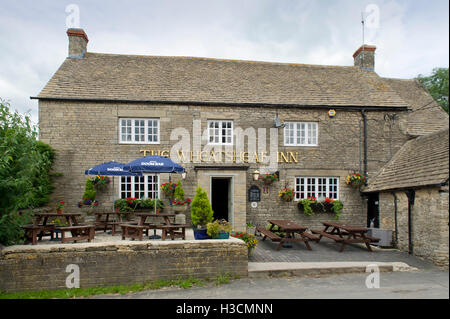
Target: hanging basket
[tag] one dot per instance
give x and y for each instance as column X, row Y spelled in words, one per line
column 179, row 208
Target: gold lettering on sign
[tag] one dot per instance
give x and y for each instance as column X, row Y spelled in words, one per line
column 227, row 156
column 181, row 156
column 294, row 158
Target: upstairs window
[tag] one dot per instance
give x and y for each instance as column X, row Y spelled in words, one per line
column 139, row 131
column 220, row 132
column 300, row 134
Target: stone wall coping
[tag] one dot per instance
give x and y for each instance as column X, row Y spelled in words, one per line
column 123, row 245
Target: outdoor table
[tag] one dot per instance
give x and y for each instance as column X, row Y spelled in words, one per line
column 143, row 218
column 70, row 218
column 107, row 222
column 290, row 228
column 38, row 228
column 346, row 234
column 168, row 228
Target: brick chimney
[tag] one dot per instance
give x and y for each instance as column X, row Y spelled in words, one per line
column 77, row 43
column 364, row 57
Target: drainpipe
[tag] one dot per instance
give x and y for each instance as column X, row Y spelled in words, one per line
column 365, row 141
column 411, row 194
column 395, row 219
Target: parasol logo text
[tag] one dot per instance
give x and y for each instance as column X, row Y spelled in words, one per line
column 151, row 164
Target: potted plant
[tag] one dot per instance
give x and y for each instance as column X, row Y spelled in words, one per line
column 269, row 178
column 60, row 207
column 335, row 206
column 58, row 223
column 89, row 192
column 305, row 205
column 249, row 239
column 251, row 229
column 101, row 182
column 310, row 206
column 179, row 204
column 286, row 194
column 355, row 180
column 201, row 213
column 219, row 229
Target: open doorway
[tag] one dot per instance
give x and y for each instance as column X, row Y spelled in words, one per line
column 221, row 197
column 373, row 210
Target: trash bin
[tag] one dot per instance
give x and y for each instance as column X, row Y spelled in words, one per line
column 385, row 236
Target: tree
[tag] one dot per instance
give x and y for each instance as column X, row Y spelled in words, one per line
column 437, row 85
column 25, row 165
column 201, row 210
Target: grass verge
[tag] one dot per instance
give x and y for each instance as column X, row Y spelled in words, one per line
column 86, row 292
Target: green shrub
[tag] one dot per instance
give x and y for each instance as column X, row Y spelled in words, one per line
column 201, row 211
column 214, row 228
column 25, row 179
column 179, row 192
column 89, row 191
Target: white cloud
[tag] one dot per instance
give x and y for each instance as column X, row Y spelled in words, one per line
column 412, row 37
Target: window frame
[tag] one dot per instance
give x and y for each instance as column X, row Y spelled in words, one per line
column 220, row 132
column 296, row 133
column 328, row 192
column 146, row 127
column 133, row 184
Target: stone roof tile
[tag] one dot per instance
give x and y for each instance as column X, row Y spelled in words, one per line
column 156, row 78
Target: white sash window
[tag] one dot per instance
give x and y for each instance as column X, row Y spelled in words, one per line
column 300, row 134
column 318, row 187
column 139, row 131
column 220, row 132
column 139, row 187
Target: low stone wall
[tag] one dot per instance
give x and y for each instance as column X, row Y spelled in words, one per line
column 122, row 263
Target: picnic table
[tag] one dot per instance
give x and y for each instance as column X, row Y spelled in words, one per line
column 345, row 234
column 136, row 231
column 107, row 222
column 78, row 231
column 290, row 228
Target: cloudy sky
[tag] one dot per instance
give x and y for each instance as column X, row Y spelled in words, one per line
column 412, row 37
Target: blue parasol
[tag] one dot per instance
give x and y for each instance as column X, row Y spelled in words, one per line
column 110, row 169
column 154, row 164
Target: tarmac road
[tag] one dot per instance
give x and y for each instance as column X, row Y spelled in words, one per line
column 422, row 284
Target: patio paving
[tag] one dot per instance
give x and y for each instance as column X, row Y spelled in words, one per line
column 328, row 251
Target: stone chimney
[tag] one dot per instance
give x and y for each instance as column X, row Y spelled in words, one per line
column 77, row 43
column 364, row 57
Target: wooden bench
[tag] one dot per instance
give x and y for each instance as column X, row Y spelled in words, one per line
column 133, row 231
column 325, row 234
column 311, row 236
column 373, row 239
column 268, row 233
column 174, row 230
column 32, row 232
column 79, row 232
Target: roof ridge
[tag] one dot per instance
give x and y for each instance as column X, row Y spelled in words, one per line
column 224, row 60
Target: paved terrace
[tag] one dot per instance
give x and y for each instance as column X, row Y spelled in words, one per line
column 325, row 251
column 328, row 251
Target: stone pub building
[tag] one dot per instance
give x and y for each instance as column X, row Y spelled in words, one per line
column 226, row 121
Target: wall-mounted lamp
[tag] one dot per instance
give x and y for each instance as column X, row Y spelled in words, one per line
column 255, row 175
column 183, row 175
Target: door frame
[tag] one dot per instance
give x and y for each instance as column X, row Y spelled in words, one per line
column 230, row 193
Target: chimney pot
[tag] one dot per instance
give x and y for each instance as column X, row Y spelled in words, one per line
column 364, row 57
column 77, row 43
